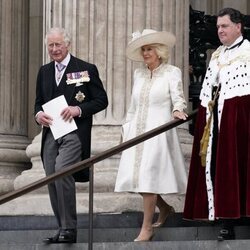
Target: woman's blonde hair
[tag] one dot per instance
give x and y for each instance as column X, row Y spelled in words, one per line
column 162, row 51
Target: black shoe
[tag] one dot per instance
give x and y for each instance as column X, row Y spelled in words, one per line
column 226, row 234
column 67, row 236
column 53, row 239
column 62, row 236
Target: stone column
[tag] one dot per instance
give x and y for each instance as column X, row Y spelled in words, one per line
column 13, row 91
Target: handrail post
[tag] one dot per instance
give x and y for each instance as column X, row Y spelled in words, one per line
column 91, row 194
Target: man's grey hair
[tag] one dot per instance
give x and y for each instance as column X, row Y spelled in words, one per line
column 57, row 30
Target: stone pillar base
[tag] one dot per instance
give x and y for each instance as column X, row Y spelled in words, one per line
column 39, row 205
column 13, row 160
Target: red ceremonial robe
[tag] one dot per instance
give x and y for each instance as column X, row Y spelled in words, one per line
column 231, row 186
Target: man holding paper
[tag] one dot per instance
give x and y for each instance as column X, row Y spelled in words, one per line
column 68, row 93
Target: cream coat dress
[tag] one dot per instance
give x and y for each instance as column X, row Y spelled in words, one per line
column 156, row 165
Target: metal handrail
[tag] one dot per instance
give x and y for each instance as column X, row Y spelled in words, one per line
column 88, row 163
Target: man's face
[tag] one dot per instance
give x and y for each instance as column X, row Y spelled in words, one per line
column 56, row 46
column 228, row 31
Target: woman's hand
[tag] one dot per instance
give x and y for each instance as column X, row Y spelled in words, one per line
column 180, row 115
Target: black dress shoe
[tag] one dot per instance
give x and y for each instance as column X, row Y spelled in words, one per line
column 226, row 234
column 67, row 236
column 53, row 239
column 62, row 236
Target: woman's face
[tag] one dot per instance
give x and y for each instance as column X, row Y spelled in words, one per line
column 150, row 56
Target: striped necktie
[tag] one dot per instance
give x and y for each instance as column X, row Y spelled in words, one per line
column 60, row 67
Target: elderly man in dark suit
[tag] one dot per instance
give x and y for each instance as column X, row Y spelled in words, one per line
column 82, row 88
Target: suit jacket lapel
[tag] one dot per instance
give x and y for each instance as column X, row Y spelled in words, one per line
column 50, row 81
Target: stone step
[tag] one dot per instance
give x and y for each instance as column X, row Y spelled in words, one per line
column 117, row 231
column 101, row 220
column 153, row 245
column 125, row 234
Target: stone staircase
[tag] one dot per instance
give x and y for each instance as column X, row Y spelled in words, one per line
column 116, row 231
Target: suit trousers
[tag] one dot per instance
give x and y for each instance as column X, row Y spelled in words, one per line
column 57, row 155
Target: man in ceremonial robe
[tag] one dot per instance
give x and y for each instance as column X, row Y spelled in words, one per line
column 219, row 188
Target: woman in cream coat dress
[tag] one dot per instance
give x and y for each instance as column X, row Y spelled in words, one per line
column 155, row 166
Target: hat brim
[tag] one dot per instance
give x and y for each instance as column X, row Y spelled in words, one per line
column 134, row 48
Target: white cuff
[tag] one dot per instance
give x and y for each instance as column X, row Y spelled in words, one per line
column 80, row 111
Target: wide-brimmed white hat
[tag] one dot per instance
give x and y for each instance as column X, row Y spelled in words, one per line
column 148, row 36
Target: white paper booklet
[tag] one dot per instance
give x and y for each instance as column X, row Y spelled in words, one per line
column 54, row 108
